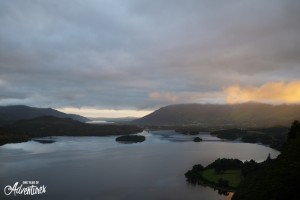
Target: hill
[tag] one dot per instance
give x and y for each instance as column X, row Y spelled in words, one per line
column 272, row 179
column 214, row 115
column 10, row 114
column 277, row 179
column 53, row 126
column 23, row 130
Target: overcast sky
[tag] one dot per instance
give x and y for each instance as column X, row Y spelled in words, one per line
column 141, row 55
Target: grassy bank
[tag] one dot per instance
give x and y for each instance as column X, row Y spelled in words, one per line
column 232, row 176
column 224, row 174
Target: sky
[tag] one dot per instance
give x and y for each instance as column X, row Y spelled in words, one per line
column 129, row 57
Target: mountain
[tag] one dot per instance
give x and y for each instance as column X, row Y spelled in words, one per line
column 53, row 126
column 9, row 114
column 231, row 115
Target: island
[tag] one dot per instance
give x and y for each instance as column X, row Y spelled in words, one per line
column 130, row 138
column 197, row 139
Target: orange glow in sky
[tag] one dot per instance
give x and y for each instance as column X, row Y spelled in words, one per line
column 271, row 92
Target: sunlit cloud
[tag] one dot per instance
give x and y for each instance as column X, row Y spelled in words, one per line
column 110, row 57
column 271, row 92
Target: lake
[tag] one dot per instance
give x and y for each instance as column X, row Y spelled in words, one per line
column 100, row 168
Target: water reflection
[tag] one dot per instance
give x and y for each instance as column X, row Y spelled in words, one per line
column 101, row 168
column 44, row 141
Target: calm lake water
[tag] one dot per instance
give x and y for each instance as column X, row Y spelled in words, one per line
column 100, row 168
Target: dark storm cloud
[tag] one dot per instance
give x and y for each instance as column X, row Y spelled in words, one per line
column 142, row 54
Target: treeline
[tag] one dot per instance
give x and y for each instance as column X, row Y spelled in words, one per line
column 220, row 166
column 191, row 130
column 276, row 179
column 52, row 126
column 224, row 164
column 274, row 136
column 12, row 138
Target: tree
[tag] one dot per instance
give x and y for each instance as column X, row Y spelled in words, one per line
column 218, row 169
column 197, row 139
column 295, row 129
column 223, row 182
column 268, row 158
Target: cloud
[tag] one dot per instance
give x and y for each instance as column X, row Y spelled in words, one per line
column 271, row 92
column 113, row 54
column 157, row 99
column 163, row 96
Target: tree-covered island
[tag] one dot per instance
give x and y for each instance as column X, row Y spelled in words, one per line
column 131, row 138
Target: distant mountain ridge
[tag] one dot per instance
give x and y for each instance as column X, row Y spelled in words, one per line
column 54, row 126
column 20, row 112
column 26, row 129
column 241, row 115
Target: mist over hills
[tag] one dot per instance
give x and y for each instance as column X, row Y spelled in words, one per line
column 10, row 114
column 231, row 115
